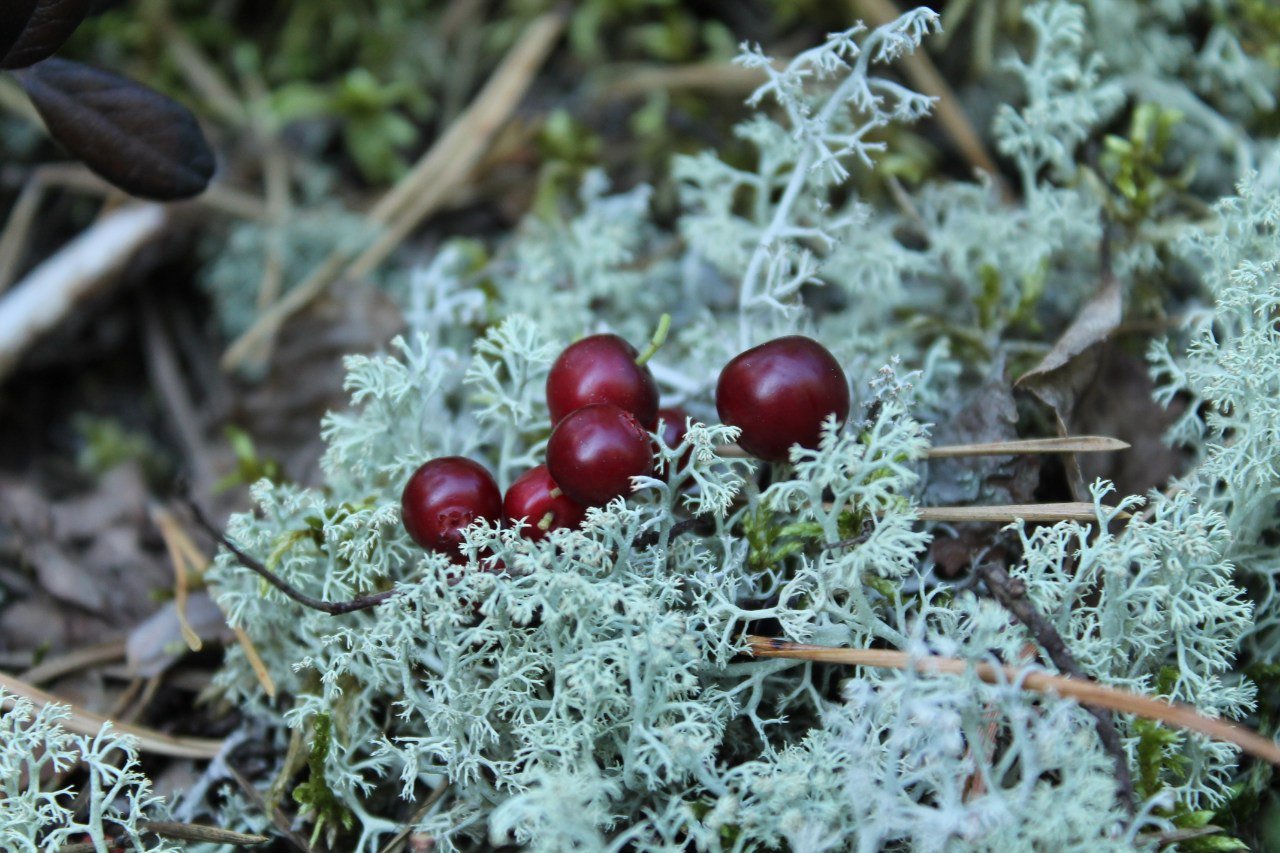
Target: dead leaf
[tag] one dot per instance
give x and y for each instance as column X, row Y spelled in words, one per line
column 988, row 414
column 1120, row 403
column 1072, row 366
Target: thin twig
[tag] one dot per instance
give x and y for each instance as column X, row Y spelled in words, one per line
column 1085, row 691
column 1070, row 444
column 719, row 78
column 1081, row 511
column 200, row 832
column 255, row 662
column 278, row 818
column 13, row 240
column 166, row 524
column 335, row 608
column 1012, row 594
column 165, row 374
column 699, row 523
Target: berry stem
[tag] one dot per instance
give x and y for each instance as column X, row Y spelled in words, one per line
column 555, row 493
column 658, row 339
column 544, row 523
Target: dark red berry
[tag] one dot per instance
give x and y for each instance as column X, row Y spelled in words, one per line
column 594, row 452
column 779, row 393
column 543, row 505
column 602, row 369
column 674, row 422
column 444, row 496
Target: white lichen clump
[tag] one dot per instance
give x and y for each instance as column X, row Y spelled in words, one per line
column 589, row 691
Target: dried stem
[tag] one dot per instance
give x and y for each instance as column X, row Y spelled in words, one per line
column 1081, row 511
column 400, row 837
column 1084, row 691
column 1012, row 594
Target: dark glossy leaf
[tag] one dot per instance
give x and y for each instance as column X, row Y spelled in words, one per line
column 14, row 15
column 47, row 28
column 136, row 138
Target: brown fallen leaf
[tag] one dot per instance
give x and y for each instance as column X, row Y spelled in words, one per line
column 1071, row 366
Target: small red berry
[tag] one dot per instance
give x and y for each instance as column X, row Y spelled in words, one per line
column 601, row 369
column 594, row 452
column 443, row 497
column 674, row 422
column 543, row 505
column 779, row 393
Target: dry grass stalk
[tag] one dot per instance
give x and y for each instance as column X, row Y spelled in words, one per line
column 181, row 561
column 445, row 167
column 54, row 668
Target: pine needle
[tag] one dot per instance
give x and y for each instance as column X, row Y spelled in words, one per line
column 1083, row 691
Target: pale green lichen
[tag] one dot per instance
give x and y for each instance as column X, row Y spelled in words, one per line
column 588, row 691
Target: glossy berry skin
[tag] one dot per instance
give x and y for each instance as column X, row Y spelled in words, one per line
column 444, row 496
column 779, row 393
column 601, row 369
column 675, row 426
column 529, row 498
column 594, row 452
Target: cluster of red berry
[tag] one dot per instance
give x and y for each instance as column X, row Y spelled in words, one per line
column 604, row 409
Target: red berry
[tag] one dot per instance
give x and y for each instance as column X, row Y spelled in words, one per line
column 601, row 369
column 675, row 426
column 530, row 498
column 779, row 393
column 444, row 496
column 594, row 452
